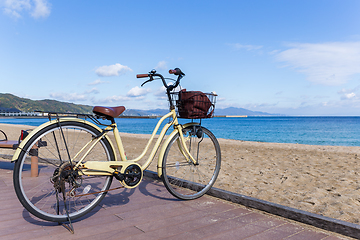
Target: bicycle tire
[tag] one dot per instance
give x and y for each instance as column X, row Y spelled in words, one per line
column 181, row 177
column 38, row 194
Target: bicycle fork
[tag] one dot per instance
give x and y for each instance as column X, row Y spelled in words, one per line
column 197, row 131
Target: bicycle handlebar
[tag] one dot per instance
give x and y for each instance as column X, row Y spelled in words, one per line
column 170, row 87
column 153, row 74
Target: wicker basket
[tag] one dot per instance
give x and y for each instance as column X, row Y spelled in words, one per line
column 194, row 104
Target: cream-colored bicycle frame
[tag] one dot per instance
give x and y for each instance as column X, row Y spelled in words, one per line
column 108, row 167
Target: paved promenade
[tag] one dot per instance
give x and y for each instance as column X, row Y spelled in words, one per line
column 150, row 212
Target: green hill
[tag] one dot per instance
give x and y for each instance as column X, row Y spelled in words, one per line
column 27, row 105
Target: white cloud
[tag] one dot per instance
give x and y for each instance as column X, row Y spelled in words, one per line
column 41, row 9
column 239, row 46
column 349, row 94
column 14, row 7
column 112, row 70
column 137, row 92
column 36, row 8
column 324, row 63
column 12, row 13
column 160, row 92
column 68, row 97
column 74, row 97
column 92, row 91
column 161, row 66
column 113, row 99
column 97, row 82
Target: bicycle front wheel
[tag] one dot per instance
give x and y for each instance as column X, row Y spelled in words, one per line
column 182, row 177
column 45, row 196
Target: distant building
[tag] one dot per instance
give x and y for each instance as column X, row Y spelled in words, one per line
column 10, row 112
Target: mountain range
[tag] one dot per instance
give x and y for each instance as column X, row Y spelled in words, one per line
column 10, row 101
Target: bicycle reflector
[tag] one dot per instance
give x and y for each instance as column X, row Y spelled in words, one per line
column 23, row 134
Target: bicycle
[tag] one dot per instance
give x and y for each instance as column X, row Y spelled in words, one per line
column 77, row 162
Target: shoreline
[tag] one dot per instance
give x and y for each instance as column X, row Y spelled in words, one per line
column 27, row 127
column 319, row 179
column 337, row 144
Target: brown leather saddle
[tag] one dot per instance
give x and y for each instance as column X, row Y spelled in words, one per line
column 108, row 112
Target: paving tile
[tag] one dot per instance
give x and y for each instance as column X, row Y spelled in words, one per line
column 269, row 222
column 308, row 235
column 150, row 210
column 233, row 213
column 250, row 218
column 21, row 226
column 164, row 223
column 141, row 236
column 238, row 233
column 6, row 204
column 270, row 235
column 164, row 216
column 88, row 231
column 335, row 238
column 290, row 228
column 114, row 234
column 43, row 232
column 209, row 230
column 182, row 227
column 210, row 205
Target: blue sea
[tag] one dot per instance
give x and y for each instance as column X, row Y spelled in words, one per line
column 335, row 131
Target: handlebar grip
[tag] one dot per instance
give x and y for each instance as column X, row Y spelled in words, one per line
column 142, row 75
column 176, row 71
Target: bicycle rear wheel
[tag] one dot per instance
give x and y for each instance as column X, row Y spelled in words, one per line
column 54, row 147
column 184, row 179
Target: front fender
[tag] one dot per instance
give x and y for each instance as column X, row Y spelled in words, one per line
column 165, row 144
column 44, row 125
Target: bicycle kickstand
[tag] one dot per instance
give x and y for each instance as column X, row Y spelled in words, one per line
column 70, row 226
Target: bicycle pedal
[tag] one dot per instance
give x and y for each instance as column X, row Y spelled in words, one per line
column 118, row 176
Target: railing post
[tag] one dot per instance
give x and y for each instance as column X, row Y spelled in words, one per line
column 34, row 152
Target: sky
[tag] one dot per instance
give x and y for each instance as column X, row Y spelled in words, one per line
column 293, row 57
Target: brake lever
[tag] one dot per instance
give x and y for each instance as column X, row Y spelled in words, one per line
column 146, row 82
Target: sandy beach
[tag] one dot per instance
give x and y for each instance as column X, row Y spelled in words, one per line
column 318, row 179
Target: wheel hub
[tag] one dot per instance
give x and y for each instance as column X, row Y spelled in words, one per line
column 66, row 174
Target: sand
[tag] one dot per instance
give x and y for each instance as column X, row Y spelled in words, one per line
column 318, row 179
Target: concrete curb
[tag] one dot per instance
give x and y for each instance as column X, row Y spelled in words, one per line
column 326, row 223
